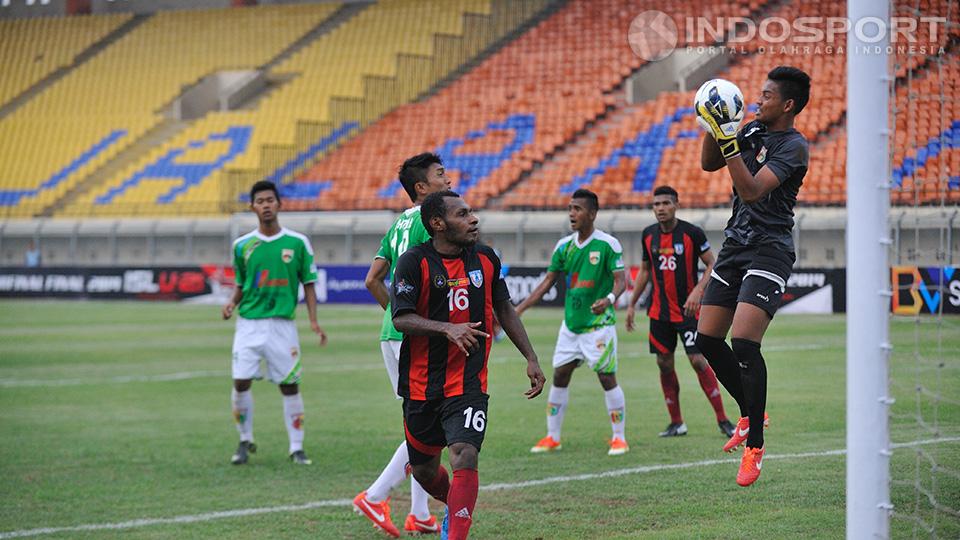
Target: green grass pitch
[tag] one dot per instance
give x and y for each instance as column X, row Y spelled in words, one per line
column 119, row 413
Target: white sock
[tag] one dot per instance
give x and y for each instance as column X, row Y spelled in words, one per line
column 419, row 500
column 556, row 407
column 293, row 417
column 243, row 413
column 393, row 474
column 616, row 407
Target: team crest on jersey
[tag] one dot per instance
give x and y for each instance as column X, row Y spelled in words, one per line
column 439, row 281
column 594, row 257
column 286, row 255
column 678, row 249
column 476, row 277
column 762, row 154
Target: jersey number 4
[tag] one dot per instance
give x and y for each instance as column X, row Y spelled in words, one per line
column 459, row 299
column 668, row 263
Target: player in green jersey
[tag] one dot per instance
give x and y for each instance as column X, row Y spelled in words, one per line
column 270, row 264
column 593, row 263
column 420, row 176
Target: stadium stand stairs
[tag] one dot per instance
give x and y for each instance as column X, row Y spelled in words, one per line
column 341, row 16
column 60, row 73
column 552, row 7
column 170, row 127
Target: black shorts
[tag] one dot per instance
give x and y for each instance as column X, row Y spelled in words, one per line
column 754, row 275
column 434, row 424
column 663, row 336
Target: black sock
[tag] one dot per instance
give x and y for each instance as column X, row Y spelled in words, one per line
column 724, row 364
column 753, row 374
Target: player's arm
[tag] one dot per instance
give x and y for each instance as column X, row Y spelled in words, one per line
column 463, row 335
column 619, row 285
column 639, row 285
column 538, row 292
column 239, row 273
column 310, row 296
column 235, row 299
column 710, row 157
column 751, row 188
column 692, row 304
column 374, row 281
column 511, row 324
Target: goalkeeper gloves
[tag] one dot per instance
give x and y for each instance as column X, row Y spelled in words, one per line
column 717, row 122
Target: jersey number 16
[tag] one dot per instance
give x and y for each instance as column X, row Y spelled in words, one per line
column 459, row 299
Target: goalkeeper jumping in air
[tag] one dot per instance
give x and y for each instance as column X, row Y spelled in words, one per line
column 767, row 160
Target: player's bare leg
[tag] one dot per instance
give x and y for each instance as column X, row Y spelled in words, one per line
column 616, row 409
column 242, row 401
column 557, row 400
column 670, row 386
column 293, row 419
column 708, row 382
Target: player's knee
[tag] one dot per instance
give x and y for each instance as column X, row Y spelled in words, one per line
column 708, row 344
column 698, row 362
column 607, row 380
column 745, row 349
column 463, row 456
column 242, row 385
column 424, row 473
column 561, row 377
column 289, row 389
column 665, row 362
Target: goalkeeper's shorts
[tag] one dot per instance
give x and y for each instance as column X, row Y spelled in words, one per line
column 754, row 275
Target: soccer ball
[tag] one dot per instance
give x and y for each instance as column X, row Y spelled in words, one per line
column 726, row 98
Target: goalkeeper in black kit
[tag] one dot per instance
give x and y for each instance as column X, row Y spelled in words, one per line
column 767, row 160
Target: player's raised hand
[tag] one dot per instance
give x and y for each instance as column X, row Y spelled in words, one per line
column 315, row 327
column 227, row 310
column 631, row 315
column 464, row 335
column 537, row 380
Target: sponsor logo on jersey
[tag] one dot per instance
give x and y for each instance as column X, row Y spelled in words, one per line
column 262, row 280
column 458, row 282
column 439, row 281
column 678, row 249
column 594, row 257
column 577, row 283
column 762, row 154
column 286, row 255
column 403, row 287
column 476, row 277
column 665, row 251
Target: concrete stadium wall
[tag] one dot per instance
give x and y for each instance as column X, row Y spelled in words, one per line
column 925, row 236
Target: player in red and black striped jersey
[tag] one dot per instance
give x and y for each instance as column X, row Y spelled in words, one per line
column 672, row 249
column 444, row 296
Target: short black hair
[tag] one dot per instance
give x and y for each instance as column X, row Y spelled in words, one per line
column 434, row 206
column 588, row 195
column 793, row 83
column 414, row 170
column 667, row 190
column 264, row 185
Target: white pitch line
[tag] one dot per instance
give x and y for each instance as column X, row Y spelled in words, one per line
column 187, row 375
column 210, row 516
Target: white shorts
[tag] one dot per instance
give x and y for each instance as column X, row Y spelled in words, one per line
column 391, row 359
column 274, row 340
column 597, row 348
